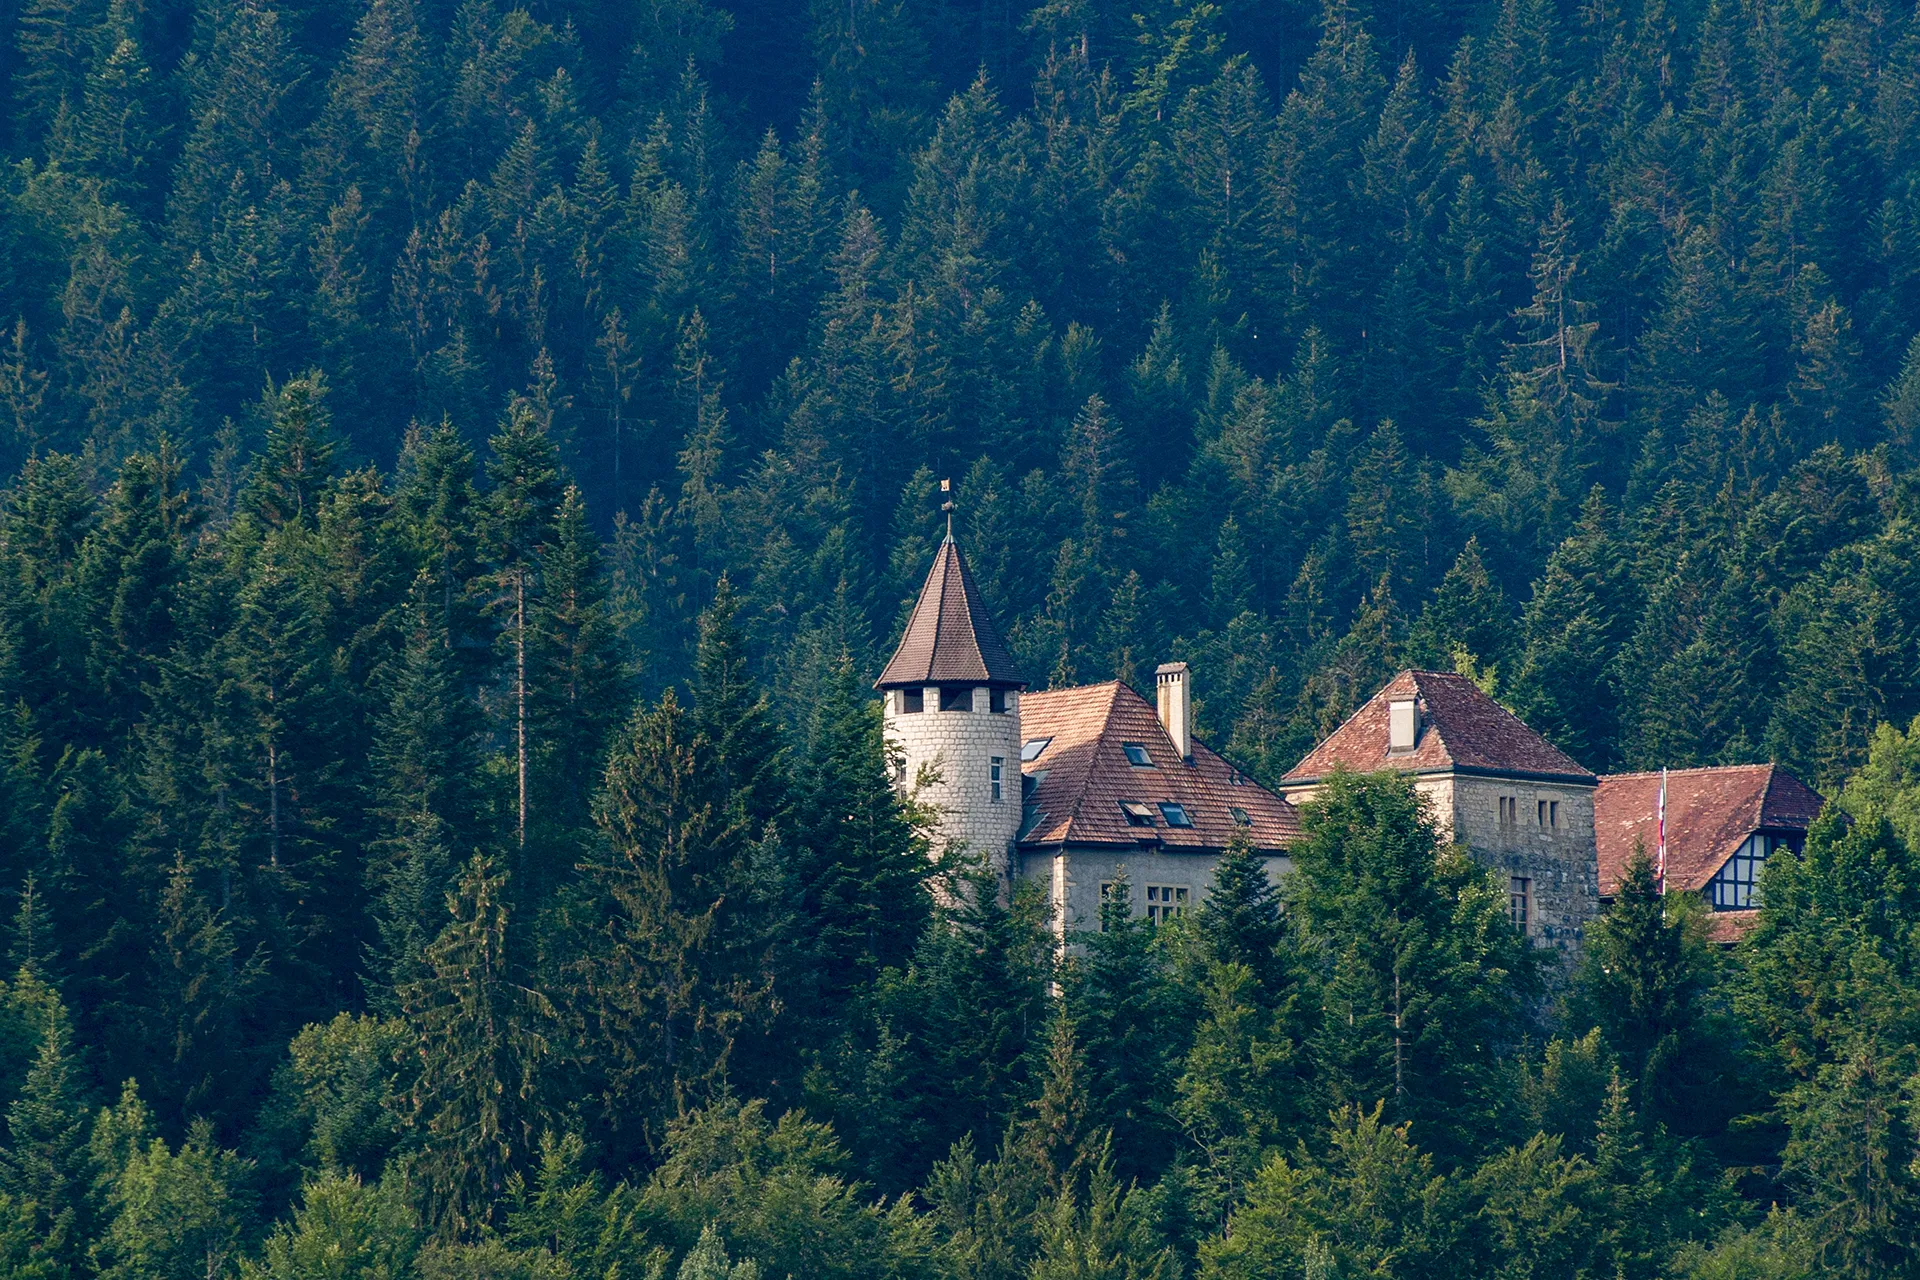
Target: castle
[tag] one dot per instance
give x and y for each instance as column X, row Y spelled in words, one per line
column 1081, row 789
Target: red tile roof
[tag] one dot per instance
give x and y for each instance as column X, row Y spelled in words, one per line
column 1461, row 728
column 1709, row 812
column 1083, row 774
column 950, row 639
column 1728, row 927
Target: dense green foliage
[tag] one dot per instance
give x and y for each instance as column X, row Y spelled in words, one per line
column 468, row 459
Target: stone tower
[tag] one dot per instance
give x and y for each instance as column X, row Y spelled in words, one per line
column 953, row 703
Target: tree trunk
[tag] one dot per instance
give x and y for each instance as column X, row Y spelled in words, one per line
column 520, row 695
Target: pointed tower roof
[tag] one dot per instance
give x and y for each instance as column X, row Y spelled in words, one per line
column 950, row 638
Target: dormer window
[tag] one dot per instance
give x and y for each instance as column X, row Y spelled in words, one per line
column 1176, row 815
column 1138, row 815
column 1031, row 749
column 1137, row 755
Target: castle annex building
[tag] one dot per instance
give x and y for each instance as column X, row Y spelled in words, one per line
column 1076, row 788
column 1722, row 826
column 1519, row 804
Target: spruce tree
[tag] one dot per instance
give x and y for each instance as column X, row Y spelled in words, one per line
column 1420, row 976
column 480, row 1041
column 672, row 974
column 424, row 761
column 45, row 1164
column 1645, row 980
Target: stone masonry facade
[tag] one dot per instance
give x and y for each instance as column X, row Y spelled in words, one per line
column 962, row 747
column 1073, row 877
column 1551, row 849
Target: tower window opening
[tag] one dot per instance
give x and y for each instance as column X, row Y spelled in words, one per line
column 997, row 701
column 1519, row 901
column 912, row 701
column 994, row 766
column 956, row 699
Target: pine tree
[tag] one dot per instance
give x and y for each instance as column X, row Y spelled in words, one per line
column 300, row 454
column 423, row 766
column 1644, row 980
column 45, row 1163
column 1402, row 929
column 578, row 683
column 859, row 860
column 525, row 480
column 480, row 1043
column 1467, row 622
column 672, row 977
column 1114, row 993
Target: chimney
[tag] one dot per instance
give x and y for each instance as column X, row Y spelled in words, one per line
column 1176, row 705
column 1403, row 725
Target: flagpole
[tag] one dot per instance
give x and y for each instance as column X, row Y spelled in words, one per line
column 1663, row 831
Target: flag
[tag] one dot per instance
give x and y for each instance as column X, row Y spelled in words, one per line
column 1662, row 811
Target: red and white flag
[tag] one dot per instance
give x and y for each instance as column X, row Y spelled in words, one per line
column 1662, row 811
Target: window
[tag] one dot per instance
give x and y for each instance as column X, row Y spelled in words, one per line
column 1241, row 817
column 1509, row 811
column 1175, row 815
column 1106, row 895
column 997, row 701
column 994, row 766
column 1737, row 886
column 1519, row 901
column 1548, row 813
column 1165, row 901
column 956, row 699
column 912, row 701
column 1138, row 815
column 1137, row 755
column 1031, row 749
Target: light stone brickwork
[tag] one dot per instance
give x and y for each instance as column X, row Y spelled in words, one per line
column 1072, row 878
column 1558, row 859
column 961, row 747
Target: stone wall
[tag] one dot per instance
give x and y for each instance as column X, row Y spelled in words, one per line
column 1560, row 862
column 1072, row 878
column 961, row 745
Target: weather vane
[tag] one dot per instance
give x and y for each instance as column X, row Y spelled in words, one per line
column 946, row 493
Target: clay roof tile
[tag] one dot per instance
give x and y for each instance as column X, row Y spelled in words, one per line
column 1709, row 813
column 950, row 639
column 1077, row 781
column 1462, row 728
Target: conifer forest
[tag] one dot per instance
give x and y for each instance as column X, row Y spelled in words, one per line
column 467, row 461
